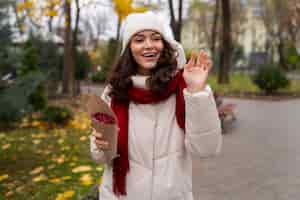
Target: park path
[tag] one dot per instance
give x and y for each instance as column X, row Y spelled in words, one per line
column 260, row 158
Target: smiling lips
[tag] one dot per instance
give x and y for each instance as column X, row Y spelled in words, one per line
column 150, row 56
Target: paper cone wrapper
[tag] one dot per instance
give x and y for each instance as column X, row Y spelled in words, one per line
column 109, row 131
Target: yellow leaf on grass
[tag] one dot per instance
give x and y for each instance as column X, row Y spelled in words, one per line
column 61, row 140
column 39, row 135
column 86, row 180
column 65, row 178
column 36, row 123
column 65, row 195
column 36, row 170
column 83, row 138
column 100, row 169
column 60, row 159
column 51, row 166
column 20, row 189
column 6, row 146
column 46, row 152
column 74, row 158
column 65, row 148
column 82, row 168
column 3, row 177
column 37, row 141
column 39, row 178
column 55, row 180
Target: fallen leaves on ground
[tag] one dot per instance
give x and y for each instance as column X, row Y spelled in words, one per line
column 3, row 177
column 65, row 195
column 83, row 168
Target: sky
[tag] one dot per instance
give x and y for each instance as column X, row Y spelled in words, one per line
column 90, row 8
column 104, row 6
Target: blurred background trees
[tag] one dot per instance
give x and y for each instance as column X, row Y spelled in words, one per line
column 71, row 42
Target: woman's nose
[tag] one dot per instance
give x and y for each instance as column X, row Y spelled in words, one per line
column 148, row 43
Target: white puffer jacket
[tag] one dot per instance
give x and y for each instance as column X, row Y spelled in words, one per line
column 159, row 152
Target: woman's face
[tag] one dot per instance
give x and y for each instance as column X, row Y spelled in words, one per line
column 146, row 47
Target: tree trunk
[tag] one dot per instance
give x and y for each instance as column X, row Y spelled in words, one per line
column 75, row 43
column 50, row 24
column 179, row 22
column 69, row 65
column 18, row 22
column 282, row 64
column 118, row 29
column 225, row 59
column 214, row 28
column 176, row 24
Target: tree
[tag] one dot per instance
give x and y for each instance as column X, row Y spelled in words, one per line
column 282, row 21
column 176, row 24
column 123, row 8
column 33, row 11
column 69, row 64
column 200, row 15
column 95, row 25
column 293, row 24
column 5, row 39
column 203, row 13
column 215, row 27
column 226, row 48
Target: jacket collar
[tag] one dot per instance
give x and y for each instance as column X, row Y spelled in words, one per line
column 139, row 81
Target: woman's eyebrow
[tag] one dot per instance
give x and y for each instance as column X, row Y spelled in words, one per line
column 139, row 35
column 156, row 34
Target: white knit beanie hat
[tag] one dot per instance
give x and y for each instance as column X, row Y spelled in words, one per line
column 138, row 22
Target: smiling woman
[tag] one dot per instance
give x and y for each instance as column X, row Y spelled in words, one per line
column 146, row 48
column 165, row 113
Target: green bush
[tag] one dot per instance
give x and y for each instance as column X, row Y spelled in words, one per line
column 83, row 65
column 39, row 99
column 14, row 100
column 30, row 63
column 56, row 115
column 293, row 57
column 270, row 78
column 99, row 76
column 5, row 40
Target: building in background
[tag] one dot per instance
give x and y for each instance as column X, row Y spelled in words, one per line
column 251, row 34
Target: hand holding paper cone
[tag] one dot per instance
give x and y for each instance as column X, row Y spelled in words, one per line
column 105, row 124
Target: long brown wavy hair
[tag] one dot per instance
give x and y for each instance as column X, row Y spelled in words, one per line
column 120, row 75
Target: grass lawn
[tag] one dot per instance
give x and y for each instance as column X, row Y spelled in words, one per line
column 241, row 83
column 42, row 164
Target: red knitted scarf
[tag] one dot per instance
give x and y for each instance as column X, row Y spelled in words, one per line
column 142, row 96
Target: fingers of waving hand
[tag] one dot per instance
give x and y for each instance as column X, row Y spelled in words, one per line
column 205, row 60
column 199, row 61
column 189, row 66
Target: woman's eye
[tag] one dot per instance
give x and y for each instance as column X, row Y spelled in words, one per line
column 157, row 39
column 138, row 40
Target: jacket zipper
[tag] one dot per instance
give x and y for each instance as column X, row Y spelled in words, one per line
column 153, row 158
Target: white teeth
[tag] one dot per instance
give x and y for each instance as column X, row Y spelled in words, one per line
column 149, row 54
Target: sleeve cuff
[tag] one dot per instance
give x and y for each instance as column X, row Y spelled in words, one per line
column 206, row 92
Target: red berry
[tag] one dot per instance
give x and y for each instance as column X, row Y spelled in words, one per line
column 103, row 118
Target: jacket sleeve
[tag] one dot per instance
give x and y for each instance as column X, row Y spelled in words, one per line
column 96, row 154
column 203, row 127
